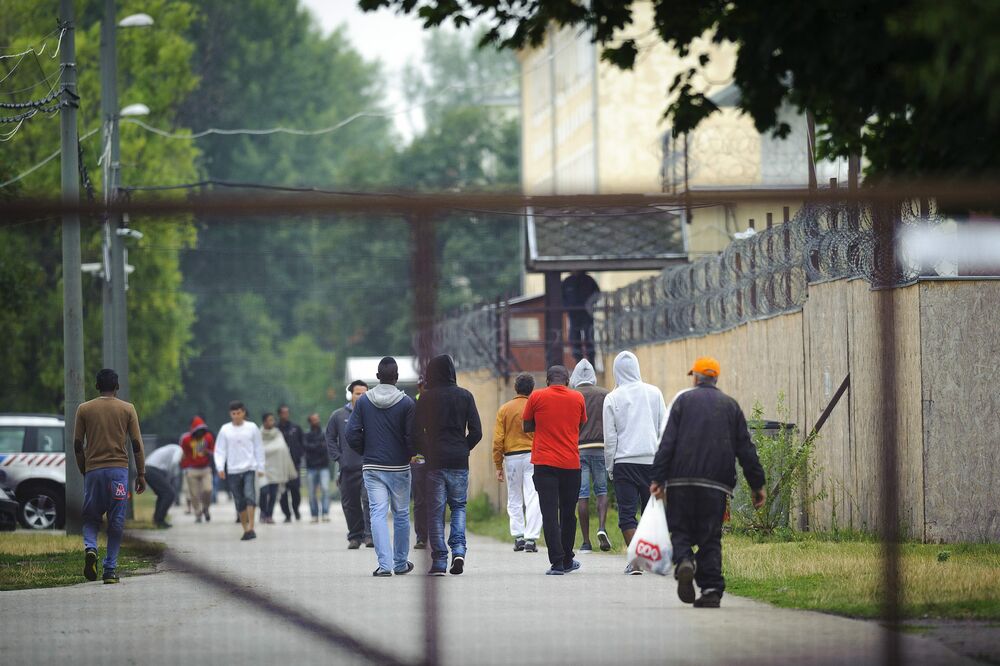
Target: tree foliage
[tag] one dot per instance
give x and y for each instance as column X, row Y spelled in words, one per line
column 910, row 83
column 153, row 69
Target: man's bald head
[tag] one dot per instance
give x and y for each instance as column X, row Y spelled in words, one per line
column 557, row 374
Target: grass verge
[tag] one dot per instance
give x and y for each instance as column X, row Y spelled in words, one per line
column 31, row 560
column 816, row 572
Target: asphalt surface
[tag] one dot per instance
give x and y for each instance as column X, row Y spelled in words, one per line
column 296, row 595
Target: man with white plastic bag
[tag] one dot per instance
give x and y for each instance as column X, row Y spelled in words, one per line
column 695, row 467
column 650, row 548
column 634, row 419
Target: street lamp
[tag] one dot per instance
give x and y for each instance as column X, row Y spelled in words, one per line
column 115, row 343
column 136, row 21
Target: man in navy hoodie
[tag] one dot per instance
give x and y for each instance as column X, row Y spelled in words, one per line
column 448, row 427
column 380, row 429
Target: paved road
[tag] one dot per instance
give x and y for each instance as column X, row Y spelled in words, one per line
column 501, row 611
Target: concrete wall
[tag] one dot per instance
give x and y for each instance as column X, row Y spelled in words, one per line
column 946, row 343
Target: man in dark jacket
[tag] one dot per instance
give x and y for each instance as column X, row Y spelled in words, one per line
column 292, row 495
column 353, row 496
column 448, row 428
column 577, row 290
column 706, row 433
column 381, row 430
column 317, row 471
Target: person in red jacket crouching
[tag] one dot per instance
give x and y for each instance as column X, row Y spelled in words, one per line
column 198, row 446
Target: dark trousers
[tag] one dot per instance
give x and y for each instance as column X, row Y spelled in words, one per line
column 164, row 490
column 694, row 516
column 418, row 489
column 558, row 490
column 354, row 500
column 632, row 490
column 291, row 498
column 268, row 493
column 581, row 335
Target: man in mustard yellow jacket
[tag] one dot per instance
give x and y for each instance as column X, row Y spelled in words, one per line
column 512, row 456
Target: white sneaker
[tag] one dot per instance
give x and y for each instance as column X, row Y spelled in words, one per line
column 631, row 570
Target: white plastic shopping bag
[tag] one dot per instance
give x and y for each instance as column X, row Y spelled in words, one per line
column 650, row 549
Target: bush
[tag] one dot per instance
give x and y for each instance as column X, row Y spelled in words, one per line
column 789, row 467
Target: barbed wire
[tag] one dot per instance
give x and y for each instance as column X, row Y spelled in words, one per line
column 762, row 276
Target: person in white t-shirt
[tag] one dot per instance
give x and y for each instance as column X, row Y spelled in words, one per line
column 239, row 457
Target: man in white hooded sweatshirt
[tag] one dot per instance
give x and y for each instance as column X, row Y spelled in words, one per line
column 635, row 416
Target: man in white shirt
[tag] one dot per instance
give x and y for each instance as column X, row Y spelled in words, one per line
column 239, row 457
column 163, row 469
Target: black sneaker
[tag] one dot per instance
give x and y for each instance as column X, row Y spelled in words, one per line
column 405, row 570
column 163, row 525
column 553, row 571
column 382, row 573
column 709, row 599
column 457, row 565
column 369, row 543
column 353, row 544
column 90, row 564
column 572, row 566
column 518, row 545
column 420, row 545
column 253, row 534
column 208, row 516
column 685, row 585
column 110, row 577
column 603, row 540
column 246, row 537
column 585, row 548
column 288, row 519
column 530, row 547
column 437, row 572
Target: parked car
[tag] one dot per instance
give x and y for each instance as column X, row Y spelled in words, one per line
column 8, row 511
column 33, row 468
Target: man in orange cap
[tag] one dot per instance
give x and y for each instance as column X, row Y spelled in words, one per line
column 696, row 467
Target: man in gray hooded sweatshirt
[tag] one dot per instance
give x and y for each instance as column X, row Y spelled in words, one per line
column 635, row 416
column 592, row 469
column 381, row 430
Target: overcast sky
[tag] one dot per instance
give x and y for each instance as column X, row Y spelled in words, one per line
column 383, row 35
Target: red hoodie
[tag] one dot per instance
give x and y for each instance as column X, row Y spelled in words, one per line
column 197, row 453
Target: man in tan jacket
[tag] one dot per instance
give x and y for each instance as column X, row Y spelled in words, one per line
column 103, row 427
column 512, row 457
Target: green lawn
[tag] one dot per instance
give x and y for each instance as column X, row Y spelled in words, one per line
column 836, row 573
column 51, row 559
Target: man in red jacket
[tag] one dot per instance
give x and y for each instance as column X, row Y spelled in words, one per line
column 555, row 415
column 198, row 447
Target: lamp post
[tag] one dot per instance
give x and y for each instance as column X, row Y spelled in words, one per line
column 115, row 325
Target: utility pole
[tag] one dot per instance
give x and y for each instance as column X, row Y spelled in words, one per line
column 115, row 323
column 109, row 102
column 72, row 275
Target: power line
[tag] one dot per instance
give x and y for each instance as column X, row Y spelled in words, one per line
column 45, row 161
column 316, row 132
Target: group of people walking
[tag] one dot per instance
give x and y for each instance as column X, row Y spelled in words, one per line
column 552, row 447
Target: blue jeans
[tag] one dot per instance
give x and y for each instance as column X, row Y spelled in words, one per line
column 446, row 486
column 318, row 478
column 389, row 490
column 105, row 491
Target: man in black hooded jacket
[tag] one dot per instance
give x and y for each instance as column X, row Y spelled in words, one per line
column 447, row 429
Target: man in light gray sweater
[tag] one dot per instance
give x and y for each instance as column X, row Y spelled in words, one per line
column 635, row 416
